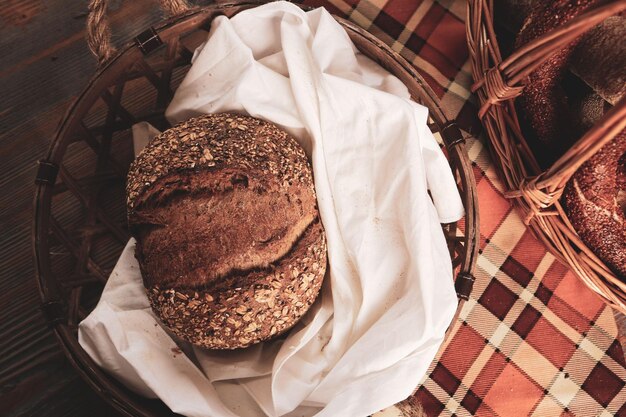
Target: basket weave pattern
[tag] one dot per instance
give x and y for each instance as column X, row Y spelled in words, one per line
column 537, row 193
column 80, row 223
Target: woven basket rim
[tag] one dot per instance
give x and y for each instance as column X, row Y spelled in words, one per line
column 56, row 307
column 536, row 192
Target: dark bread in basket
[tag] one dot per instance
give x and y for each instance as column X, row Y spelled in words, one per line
column 229, row 241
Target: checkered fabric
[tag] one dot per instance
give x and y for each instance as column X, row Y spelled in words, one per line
column 532, row 340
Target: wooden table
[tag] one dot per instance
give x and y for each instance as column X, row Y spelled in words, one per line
column 45, row 63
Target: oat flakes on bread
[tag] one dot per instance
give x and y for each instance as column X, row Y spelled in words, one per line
column 229, row 241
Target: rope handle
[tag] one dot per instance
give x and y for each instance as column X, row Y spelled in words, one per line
column 99, row 31
column 504, row 80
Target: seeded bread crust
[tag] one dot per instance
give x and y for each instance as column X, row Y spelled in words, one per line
column 595, row 204
column 215, row 141
column 269, row 304
column 229, row 241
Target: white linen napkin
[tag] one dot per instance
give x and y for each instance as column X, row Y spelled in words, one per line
column 388, row 297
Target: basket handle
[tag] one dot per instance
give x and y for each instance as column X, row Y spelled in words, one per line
column 504, row 81
column 545, row 189
column 99, row 31
column 605, row 130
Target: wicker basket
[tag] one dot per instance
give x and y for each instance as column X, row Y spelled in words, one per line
column 80, row 223
column 536, row 193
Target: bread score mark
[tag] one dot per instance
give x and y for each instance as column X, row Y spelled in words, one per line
column 240, row 222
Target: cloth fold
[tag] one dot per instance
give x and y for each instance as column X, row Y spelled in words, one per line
column 388, row 297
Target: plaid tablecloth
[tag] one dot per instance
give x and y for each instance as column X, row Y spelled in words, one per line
column 532, row 340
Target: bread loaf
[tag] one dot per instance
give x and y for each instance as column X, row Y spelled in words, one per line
column 543, row 105
column 594, row 202
column 599, row 59
column 229, row 240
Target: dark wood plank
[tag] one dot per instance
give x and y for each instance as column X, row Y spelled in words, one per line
column 45, row 64
column 60, row 392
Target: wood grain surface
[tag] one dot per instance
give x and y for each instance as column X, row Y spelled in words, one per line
column 45, row 63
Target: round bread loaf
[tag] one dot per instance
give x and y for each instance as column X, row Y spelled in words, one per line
column 543, row 102
column 595, row 203
column 229, row 241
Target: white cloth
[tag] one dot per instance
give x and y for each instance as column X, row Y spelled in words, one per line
column 388, row 297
